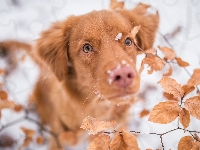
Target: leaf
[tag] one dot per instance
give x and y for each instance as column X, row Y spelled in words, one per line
column 196, row 146
column 181, row 63
column 94, row 126
column 195, row 79
column 29, row 136
column 40, row 140
column 18, row 108
column 116, row 143
column 100, row 143
column 185, row 143
column 184, row 118
column 165, row 112
column 187, row 89
column 154, row 62
column 169, row 53
column 193, row 106
column 144, row 113
column 134, row 31
column 169, row 96
column 3, row 95
column 172, row 87
column 114, row 4
column 6, row 104
column 130, row 141
column 169, row 73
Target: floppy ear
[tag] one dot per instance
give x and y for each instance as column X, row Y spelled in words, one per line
column 52, row 47
column 149, row 24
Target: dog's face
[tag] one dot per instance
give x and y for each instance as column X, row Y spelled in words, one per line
column 84, row 53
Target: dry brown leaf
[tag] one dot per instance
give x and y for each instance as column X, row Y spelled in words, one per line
column 18, row 108
column 170, row 96
column 197, row 137
column 185, row 143
column 144, row 113
column 196, row 146
column 94, row 126
column 154, row 62
column 181, row 63
column 116, row 143
column 184, row 118
column 193, row 106
column 2, row 71
column 3, row 95
column 100, row 143
column 172, row 87
column 114, row 4
column 40, row 140
column 6, row 104
column 29, row 136
column 130, row 141
column 195, row 79
column 165, row 112
column 187, row 89
column 169, row 73
column 169, row 53
column 134, row 31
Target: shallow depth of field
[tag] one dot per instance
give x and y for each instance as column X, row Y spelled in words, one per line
column 179, row 29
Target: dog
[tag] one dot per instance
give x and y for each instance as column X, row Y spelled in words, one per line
column 86, row 71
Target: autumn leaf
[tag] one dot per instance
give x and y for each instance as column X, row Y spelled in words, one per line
column 165, row 112
column 29, row 136
column 100, row 143
column 114, row 4
column 134, row 31
column 193, row 106
column 184, row 118
column 154, row 62
column 40, row 140
column 144, row 113
column 3, row 95
column 195, row 79
column 181, row 63
column 6, row 104
column 172, row 87
column 169, row 73
column 196, row 145
column 187, row 89
column 130, row 141
column 169, row 53
column 94, row 126
column 116, row 143
column 169, row 96
column 185, row 143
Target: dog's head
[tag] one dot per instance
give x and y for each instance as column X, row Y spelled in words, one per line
column 83, row 53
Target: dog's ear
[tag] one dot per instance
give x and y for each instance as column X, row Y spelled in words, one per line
column 148, row 22
column 52, row 47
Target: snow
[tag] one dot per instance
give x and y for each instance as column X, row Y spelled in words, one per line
column 118, row 37
column 26, row 19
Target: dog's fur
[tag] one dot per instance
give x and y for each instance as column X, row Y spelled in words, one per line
column 74, row 84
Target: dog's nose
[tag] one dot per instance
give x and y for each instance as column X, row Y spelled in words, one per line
column 121, row 76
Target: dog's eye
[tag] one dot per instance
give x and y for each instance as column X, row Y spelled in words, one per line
column 128, row 42
column 87, row 48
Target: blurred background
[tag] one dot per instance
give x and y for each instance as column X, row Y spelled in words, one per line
column 24, row 20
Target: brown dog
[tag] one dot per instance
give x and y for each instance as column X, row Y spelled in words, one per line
column 86, row 72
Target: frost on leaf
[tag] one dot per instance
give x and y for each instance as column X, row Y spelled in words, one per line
column 186, row 143
column 118, row 37
column 184, row 118
column 134, row 31
column 181, row 63
column 94, row 126
column 100, row 143
column 154, row 62
column 193, row 106
column 29, row 136
column 169, row 53
column 124, row 141
column 195, row 79
column 169, row 73
column 165, row 112
column 172, row 87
